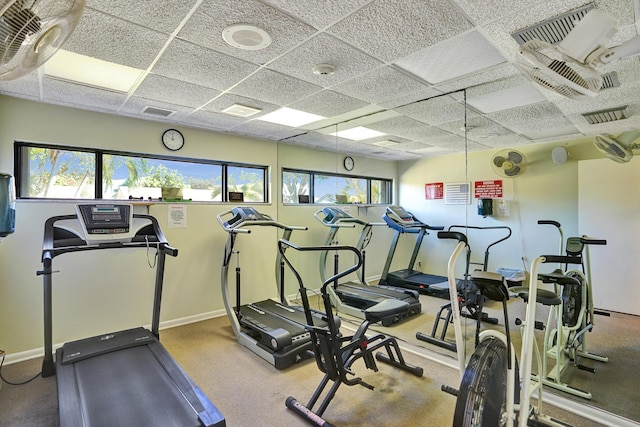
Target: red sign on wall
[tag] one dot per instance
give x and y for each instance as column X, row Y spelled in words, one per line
column 491, row 189
column 434, row 190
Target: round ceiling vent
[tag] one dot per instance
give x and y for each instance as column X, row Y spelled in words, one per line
column 247, row 37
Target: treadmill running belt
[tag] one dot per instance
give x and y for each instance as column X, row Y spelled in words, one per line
column 127, row 387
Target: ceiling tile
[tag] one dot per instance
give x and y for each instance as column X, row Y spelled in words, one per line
column 102, row 36
column 328, row 103
column 175, row 91
column 464, row 54
column 275, row 88
column 378, row 85
column 160, row 16
column 308, row 10
column 511, row 97
column 348, row 61
column 74, row 95
column 392, row 30
column 213, row 16
column 204, row 67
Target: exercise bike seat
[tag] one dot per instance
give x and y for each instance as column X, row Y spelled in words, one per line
column 559, row 278
column 385, row 308
column 491, row 285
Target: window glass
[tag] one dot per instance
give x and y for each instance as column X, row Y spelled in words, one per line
column 56, row 173
column 248, row 181
column 130, row 176
column 294, row 185
column 380, row 191
column 322, row 188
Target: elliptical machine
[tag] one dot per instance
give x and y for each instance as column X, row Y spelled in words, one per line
column 335, row 353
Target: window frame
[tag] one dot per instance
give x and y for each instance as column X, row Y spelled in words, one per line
column 18, row 165
column 312, row 174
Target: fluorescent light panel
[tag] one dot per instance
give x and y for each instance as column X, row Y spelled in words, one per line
column 386, row 143
column 89, row 71
column 290, row 117
column 358, row 133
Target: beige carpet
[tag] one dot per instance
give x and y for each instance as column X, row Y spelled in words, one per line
column 250, row 392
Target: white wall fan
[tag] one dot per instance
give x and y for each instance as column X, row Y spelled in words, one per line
column 509, row 163
column 619, row 148
column 32, row 31
column 568, row 68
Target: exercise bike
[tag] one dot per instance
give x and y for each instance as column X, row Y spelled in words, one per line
column 334, row 352
column 470, row 301
column 490, row 392
column 565, row 341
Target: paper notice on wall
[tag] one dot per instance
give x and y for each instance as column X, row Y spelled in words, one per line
column 177, row 216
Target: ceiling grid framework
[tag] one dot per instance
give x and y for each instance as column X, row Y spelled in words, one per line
column 399, row 69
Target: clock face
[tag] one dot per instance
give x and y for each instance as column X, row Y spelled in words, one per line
column 173, row 139
column 349, row 163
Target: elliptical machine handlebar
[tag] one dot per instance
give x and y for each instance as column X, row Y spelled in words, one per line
column 283, row 244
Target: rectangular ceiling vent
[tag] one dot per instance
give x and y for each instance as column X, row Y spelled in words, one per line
column 610, row 80
column 604, row 116
column 158, row 112
column 552, row 30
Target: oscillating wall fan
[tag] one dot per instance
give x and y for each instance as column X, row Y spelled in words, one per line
column 619, row 148
column 568, row 68
column 31, row 31
column 509, row 163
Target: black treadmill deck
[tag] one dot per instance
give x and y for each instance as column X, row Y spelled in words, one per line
column 138, row 385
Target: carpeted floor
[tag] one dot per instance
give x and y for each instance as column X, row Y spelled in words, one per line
column 250, row 392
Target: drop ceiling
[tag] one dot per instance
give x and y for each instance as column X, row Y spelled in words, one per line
column 403, row 68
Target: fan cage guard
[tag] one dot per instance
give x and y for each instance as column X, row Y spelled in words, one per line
column 509, row 163
column 31, row 32
column 545, row 65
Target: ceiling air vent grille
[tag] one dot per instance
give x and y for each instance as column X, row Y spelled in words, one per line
column 610, row 80
column 159, row 112
column 604, row 116
column 552, row 30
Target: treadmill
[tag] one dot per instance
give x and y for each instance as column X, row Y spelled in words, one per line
column 125, row 377
column 403, row 222
column 273, row 329
column 355, row 297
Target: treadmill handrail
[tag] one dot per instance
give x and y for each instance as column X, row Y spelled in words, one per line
column 237, row 227
column 52, row 247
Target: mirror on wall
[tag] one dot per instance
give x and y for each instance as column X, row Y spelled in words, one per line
column 547, row 190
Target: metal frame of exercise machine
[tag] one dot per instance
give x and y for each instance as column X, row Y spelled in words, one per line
column 470, row 300
column 273, row 329
column 125, row 377
column 353, row 297
column 335, row 353
column 496, row 387
column 403, row 222
column 565, row 339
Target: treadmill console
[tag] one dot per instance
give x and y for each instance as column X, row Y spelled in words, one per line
column 402, row 217
column 245, row 213
column 103, row 223
column 333, row 215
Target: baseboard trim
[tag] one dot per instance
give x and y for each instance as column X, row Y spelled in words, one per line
column 38, row 352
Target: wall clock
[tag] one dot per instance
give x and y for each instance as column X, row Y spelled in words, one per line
column 173, row 139
column 348, row 163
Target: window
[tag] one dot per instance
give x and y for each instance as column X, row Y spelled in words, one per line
column 301, row 186
column 45, row 171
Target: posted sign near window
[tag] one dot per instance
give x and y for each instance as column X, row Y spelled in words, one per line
column 434, row 191
column 491, row 189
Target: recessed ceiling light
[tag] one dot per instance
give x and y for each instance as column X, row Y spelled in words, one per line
column 290, row 117
column 246, row 37
column 89, row 71
column 358, row 133
column 241, row 110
